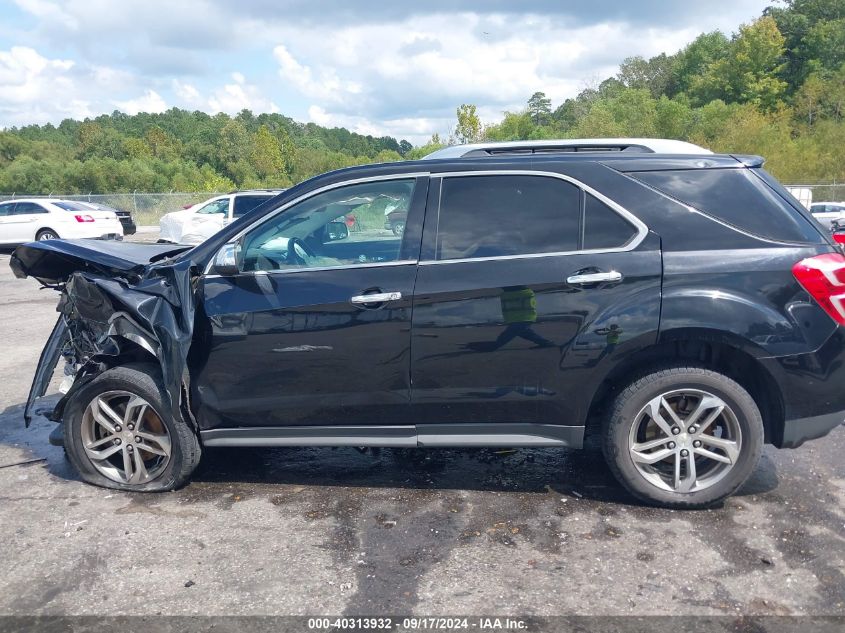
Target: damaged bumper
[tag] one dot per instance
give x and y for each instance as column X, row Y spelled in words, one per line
column 116, row 304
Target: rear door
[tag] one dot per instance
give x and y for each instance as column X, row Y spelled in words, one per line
column 21, row 224
column 528, row 286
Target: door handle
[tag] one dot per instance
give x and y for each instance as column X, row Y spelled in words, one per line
column 376, row 297
column 594, row 278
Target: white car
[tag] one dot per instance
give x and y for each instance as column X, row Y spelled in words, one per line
column 199, row 222
column 29, row 219
column 827, row 212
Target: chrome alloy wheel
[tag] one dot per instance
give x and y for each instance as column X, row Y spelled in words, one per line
column 125, row 438
column 685, row 440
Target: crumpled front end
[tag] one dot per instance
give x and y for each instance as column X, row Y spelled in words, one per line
column 112, row 310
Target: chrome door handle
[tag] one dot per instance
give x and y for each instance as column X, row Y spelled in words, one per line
column 594, row 278
column 377, row 297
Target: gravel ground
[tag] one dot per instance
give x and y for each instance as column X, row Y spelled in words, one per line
column 335, row 531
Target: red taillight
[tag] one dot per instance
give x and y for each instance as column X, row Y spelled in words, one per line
column 823, row 277
column 839, row 237
column 84, row 218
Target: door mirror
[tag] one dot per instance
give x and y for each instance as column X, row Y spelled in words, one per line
column 334, row 231
column 226, row 260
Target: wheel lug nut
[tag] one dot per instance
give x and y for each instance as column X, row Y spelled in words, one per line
column 129, row 448
column 675, row 430
column 117, row 441
column 671, row 445
column 692, row 429
column 117, row 429
column 131, row 427
column 697, row 443
column 138, row 438
column 684, row 453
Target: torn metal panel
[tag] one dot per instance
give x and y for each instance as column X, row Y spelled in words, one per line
column 50, row 356
column 113, row 301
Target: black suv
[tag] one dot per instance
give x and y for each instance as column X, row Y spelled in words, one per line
column 682, row 309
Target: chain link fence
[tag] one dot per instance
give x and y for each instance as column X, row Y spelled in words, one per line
column 146, row 208
column 817, row 192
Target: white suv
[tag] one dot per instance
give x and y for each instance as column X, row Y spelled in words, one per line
column 199, row 222
column 29, row 219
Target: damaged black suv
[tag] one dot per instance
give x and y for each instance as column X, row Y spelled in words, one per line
column 680, row 308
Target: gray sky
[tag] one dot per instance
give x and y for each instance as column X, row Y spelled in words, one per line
column 398, row 68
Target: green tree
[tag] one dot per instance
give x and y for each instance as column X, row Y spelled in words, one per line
column 654, row 75
column 749, row 73
column 468, row 128
column 266, row 156
column 539, row 108
column 695, row 59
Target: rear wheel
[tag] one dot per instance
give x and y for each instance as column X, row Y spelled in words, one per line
column 683, row 437
column 118, row 433
column 398, row 229
column 46, row 234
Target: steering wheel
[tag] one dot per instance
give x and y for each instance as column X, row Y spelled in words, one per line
column 293, row 257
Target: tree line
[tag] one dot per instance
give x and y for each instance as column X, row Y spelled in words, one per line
column 776, row 87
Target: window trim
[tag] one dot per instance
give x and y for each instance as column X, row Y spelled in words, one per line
column 634, row 242
column 416, row 175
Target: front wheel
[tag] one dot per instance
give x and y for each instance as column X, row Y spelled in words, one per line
column 683, row 437
column 399, row 229
column 119, row 434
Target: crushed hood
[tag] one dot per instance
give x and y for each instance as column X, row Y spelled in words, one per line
column 53, row 261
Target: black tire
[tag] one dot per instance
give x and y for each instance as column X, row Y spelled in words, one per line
column 142, row 380
column 46, row 234
column 399, row 229
column 626, row 407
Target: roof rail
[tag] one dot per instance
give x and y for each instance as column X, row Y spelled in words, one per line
column 558, row 146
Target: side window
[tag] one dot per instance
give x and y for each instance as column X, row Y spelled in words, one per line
column 216, row 206
column 315, row 233
column 28, row 208
column 737, row 197
column 501, row 215
column 245, row 204
column 6, row 208
column 603, row 227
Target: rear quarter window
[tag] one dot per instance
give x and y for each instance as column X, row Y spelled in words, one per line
column 736, row 197
column 604, row 228
column 245, row 204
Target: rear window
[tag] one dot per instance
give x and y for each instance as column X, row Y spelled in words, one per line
column 736, row 197
column 71, row 206
column 245, row 204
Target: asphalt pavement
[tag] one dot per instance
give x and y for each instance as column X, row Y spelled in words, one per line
column 337, row 531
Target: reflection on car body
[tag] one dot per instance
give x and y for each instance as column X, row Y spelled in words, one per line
column 684, row 311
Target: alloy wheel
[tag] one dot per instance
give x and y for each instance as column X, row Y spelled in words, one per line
column 685, row 440
column 125, row 438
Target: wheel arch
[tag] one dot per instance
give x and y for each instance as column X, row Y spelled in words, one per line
column 717, row 350
column 42, row 229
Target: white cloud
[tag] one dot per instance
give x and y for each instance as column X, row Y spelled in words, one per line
column 187, row 93
column 398, row 69
column 150, row 101
column 326, row 85
column 34, row 89
column 234, row 97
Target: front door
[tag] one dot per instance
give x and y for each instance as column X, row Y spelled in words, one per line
column 20, row 223
column 315, row 329
column 527, row 284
